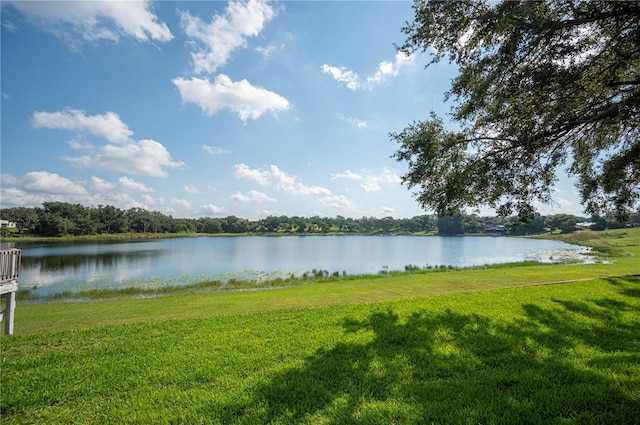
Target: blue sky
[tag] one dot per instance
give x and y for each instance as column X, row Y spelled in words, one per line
column 214, row 108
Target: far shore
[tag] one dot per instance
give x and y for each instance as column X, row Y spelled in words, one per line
column 132, row 236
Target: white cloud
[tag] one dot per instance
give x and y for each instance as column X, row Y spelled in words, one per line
column 79, row 145
column 170, row 206
column 356, row 121
column 267, row 51
column 212, row 209
column 76, row 22
column 189, row 188
column 275, row 177
column 51, row 183
column 80, row 161
column 384, row 70
column 8, row 180
column 343, row 75
column 123, row 154
column 340, row 202
column 13, row 196
column 225, row 32
column 117, row 199
column 240, row 97
column 253, row 196
column 290, row 184
column 372, row 182
column 242, row 171
column 214, row 150
column 349, row 175
column 389, row 69
column 180, row 203
column 371, row 185
column 387, row 211
column 144, row 157
column 130, row 185
column 151, row 201
column 107, row 125
column 102, row 185
column 37, row 187
column 9, row 26
column 5, row 96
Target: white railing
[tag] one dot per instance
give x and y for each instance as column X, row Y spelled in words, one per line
column 9, row 264
column 9, row 272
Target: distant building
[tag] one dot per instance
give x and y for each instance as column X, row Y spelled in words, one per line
column 584, row 226
column 7, row 223
column 495, row 230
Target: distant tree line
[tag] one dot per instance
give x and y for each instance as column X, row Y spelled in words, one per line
column 62, row 219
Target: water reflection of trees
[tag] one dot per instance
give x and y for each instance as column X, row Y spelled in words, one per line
column 50, row 263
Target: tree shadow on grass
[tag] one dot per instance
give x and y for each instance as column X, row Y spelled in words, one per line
column 563, row 361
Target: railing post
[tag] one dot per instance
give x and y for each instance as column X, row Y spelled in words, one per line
column 9, row 312
column 9, row 272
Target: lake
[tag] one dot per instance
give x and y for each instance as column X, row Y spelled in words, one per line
column 58, row 266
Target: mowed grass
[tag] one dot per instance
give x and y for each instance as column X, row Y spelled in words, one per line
column 377, row 350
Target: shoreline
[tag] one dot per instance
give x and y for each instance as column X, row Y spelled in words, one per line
column 621, row 246
column 600, row 254
column 137, row 236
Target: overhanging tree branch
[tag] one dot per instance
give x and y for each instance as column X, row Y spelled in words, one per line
column 553, row 80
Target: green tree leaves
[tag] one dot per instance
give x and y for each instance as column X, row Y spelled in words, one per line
column 540, row 85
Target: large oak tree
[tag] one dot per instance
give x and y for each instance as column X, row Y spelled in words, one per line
column 541, row 85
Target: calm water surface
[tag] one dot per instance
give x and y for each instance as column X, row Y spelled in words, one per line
column 57, row 266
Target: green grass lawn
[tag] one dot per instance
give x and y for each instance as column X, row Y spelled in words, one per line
column 405, row 349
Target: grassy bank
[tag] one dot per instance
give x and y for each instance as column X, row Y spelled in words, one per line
column 529, row 355
column 409, row 348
